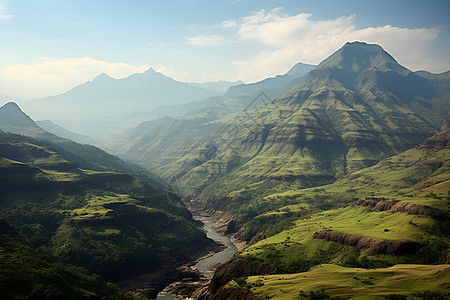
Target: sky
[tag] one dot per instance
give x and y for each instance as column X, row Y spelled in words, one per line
column 49, row 46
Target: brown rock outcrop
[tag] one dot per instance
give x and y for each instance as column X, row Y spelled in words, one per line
column 381, row 204
column 371, row 244
column 438, row 141
column 218, row 288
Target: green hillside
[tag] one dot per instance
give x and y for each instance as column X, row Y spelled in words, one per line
column 29, row 274
column 110, row 222
column 331, row 281
column 393, row 213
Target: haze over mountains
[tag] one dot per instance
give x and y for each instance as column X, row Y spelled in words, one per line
column 107, row 106
column 336, row 169
column 105, row 96
column 122, row 103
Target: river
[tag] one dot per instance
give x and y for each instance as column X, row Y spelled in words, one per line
column 218, row 258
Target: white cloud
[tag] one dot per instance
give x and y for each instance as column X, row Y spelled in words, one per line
column 55, row 76
column 227, row 24
column 208, row 40
column 298, row 38
column 4, row 12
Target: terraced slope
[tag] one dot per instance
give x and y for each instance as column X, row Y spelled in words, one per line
column 395, row 212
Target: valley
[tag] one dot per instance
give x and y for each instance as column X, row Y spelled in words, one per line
column 331, row 181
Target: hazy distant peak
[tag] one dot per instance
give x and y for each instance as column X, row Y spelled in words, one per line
column 102, row 77
column 300, row 69
column 11, row 107
column 150, row 71
column 13, row 119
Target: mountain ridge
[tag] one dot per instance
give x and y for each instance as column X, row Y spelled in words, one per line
column 106, row 96
column 331, row 124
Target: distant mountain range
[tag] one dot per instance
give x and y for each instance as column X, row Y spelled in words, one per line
column 106, row 106
column 220, row 87
column 108, row 97
column 274, row 86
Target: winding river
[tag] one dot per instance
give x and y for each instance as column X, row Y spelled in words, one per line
column 218, row 258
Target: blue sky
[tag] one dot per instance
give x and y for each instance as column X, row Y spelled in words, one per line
column 47, row 47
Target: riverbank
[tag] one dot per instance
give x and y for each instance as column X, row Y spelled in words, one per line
column 174, row 267
column 182, row 273
column 223, row 223
column 205, row 267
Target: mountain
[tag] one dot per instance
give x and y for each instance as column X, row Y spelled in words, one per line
column 12, row 119
column 108, row 97
column 220, row 87
column 274, row 86
column 55, row 129
column 355, row 108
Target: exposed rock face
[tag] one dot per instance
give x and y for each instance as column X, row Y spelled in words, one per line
column 226, row 293
column 438, row 141
column 234, row 268
column 371, row 244
column 381, row 204
column 218, row 288
column 414, row 209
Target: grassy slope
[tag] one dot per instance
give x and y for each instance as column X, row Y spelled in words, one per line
column 102, row 220
column 354, row 283
column 419, row 175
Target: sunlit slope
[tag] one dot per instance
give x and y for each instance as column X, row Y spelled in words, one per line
column 355, row 283
column 395, row 212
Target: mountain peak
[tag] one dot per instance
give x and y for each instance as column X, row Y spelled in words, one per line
column 150, row 71
column 12, row 117
column 102, row 77
column 300, row 69
column 11, row 107
column 358, row 56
